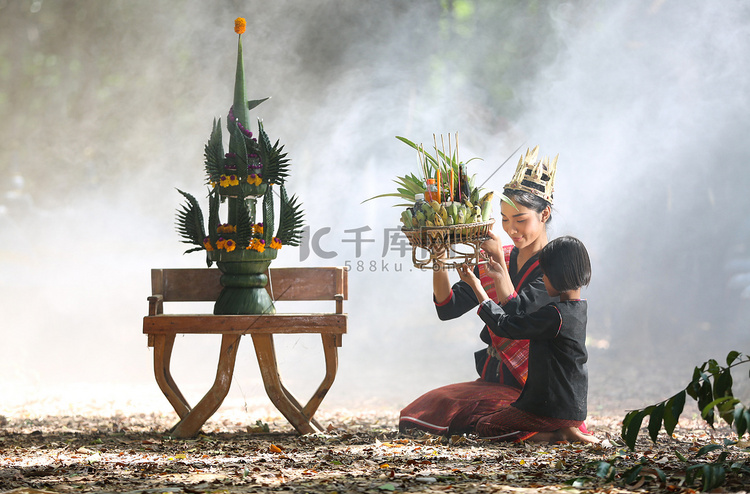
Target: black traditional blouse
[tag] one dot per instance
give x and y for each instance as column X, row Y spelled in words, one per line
column 529, row 297
column 557, row 384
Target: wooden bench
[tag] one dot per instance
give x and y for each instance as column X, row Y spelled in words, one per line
column 195, row 285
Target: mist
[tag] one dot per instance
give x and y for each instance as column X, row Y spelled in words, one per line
column 107, row 106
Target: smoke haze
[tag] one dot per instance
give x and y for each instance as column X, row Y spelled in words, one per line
column 107, row 106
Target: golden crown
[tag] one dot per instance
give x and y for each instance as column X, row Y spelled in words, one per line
column 535, row 176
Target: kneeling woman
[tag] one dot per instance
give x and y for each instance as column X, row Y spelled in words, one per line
column 503, row 364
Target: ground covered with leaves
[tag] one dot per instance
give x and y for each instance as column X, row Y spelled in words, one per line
column 359, row 452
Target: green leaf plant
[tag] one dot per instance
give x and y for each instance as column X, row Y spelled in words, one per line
column 711, row 388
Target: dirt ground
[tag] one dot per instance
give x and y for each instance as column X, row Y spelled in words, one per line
column 361, row 451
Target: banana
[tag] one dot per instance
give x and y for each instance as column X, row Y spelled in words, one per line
column 435, row 205
column 486, row 210
column 439, row 220
column 461, row 217
column 430, row 223
column 406, row 218
column 444, row 214
column 450, row 221
column 486, row 198
column 468, row 203
column 475, row 195
column 421, row 218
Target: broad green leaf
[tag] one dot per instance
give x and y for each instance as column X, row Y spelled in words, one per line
column 660, row 473
column 633, row 426
column 731, row 400
column 707, row 449
column 675, row 405
column 605, row 470
column 716, row 477
column 723, row 383
column 655, row 420
column 732, row 356
column 632, row 474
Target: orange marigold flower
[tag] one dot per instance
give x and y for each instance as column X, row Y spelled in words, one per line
column 229, row 245
column 275, row 243
column 239, row 25
column 220, row 243
column 207, row 244
column 257, row 244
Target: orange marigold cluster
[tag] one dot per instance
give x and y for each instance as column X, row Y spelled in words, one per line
column 239, row 25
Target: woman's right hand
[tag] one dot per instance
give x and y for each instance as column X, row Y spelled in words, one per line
column 494, row 247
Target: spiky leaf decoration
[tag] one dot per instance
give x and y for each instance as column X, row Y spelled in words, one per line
column 238, row 146
column 213, row 214
column 290, row 220
column 275, row 163
column 214, row 153
column 190, row 222
column 268, row 215
column 255, row 102
column 244, row 223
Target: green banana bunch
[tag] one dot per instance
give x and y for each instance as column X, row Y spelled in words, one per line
column 406, row 218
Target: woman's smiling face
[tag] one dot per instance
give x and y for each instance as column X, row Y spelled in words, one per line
column 523, row 225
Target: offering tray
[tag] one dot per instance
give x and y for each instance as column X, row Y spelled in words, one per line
column 439, row 239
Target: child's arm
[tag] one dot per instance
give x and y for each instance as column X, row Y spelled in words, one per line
column 466, row 273
column 542, row 324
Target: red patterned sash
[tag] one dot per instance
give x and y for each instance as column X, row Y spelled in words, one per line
column 513, row 353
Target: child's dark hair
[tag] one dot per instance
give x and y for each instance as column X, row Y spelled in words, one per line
column 566, row 263
column 529, row 200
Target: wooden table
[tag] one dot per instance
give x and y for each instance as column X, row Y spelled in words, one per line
column 192, row 285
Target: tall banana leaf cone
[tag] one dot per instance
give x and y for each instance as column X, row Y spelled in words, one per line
column 240, row 107
column 243, row 247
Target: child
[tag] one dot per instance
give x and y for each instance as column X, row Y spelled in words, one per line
column 552, row 404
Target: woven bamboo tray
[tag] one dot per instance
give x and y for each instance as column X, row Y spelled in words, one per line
column 436, row 240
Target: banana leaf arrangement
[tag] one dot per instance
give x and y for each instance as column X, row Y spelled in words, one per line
column 456, row 200
column 237, row 179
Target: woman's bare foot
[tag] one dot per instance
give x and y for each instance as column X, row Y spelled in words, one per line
column 570, row 434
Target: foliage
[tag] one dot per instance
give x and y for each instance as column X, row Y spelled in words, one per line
column 711, row 388
column 711, row 398
column 441, row 166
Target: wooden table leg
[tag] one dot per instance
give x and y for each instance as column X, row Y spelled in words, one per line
column 269, row 370
column 163, row 345
column 330, row 350
column 191, row 424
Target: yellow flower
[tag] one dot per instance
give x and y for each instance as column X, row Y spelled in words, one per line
column 239, row 25
column 257, row 244
column 258, row 229
column 224, row 181
column 226, row 228
column 220, row 243
column 229, row 245
column 275, row 243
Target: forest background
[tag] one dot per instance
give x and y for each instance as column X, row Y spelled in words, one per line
column 106, row 107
